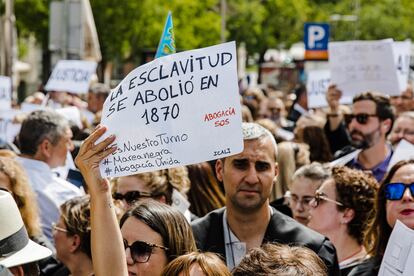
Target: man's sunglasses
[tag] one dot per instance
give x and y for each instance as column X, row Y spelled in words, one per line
column 132, row 196
column 395, row 191
column 141, row 251
column 361, row 118
column 319, row 197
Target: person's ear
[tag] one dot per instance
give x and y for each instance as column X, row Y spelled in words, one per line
column 75, row 244
column 386, row 125
column 17, row 270
column 220, row 169
column 348, row 216
column 276, row 169
column 44, row 148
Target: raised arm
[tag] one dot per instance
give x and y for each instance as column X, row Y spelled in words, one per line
column 108, row 253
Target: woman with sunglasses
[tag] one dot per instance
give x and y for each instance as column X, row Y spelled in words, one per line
column 154, row 234
column 151, row 234
column 395, row 200
column 166, row 186
column 341, row 210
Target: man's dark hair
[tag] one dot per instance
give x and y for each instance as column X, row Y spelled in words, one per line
column 383, row 110
column 40, row 125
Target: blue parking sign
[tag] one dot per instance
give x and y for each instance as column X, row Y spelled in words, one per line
column 316, row 40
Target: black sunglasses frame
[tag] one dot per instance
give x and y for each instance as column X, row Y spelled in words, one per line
column 131, row 196
column 147, row 252
column 361, row 118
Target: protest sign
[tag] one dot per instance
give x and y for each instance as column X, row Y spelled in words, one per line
column 179, row 109
column 71, row 113
column 317, row 84
column 403, row 151
column 402, row 50
column 9, row 129
column 399, row 254
column 358, row 66
column 71, row 76
column 5, row 93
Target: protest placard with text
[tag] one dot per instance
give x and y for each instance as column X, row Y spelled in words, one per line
column 71, row 76
column 176, row 110
column 5, row 93
column 317, row 83
column 399, row 254
column 359, row 66
column 402, row 51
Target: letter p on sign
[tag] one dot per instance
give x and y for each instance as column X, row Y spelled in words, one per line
column 316, row 40
column 315, row 33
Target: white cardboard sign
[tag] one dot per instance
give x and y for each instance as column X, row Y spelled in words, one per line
column 403, row 151
column 402, row 50
column 359, row 66
column 5, row 93
column 317, row 84
column 8, row 129
column 176, row 110
column 71, row 76
column 399, row 254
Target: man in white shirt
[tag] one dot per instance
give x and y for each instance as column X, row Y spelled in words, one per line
column 45, row 139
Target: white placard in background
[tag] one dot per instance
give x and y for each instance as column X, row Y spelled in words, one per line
column 403, row 151
column 402, row 51
column 5, row 93
column 399, row 254
column 359, row 66
column 71, row 76
column 71, row 113
column 317, row 83
column 176, row 110
column 8, row 129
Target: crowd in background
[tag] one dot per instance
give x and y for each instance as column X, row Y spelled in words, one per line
column 314, row 192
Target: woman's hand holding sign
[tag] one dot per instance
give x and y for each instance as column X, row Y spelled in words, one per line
column 89, row 157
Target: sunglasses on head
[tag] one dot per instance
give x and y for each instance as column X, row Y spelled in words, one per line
column 132, row 196
column 319, row 197
column 141, row 251
column 395, row 191
column 361, row 118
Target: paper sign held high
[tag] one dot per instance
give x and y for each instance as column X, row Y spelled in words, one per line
column 176, row 110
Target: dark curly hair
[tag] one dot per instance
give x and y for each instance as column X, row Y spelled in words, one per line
column 356, row 190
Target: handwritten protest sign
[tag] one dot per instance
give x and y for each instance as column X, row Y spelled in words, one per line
column 403, row 151
column 402, row 51
column 399, row 254
column 71, row 76
column 358, row 66
column 5, row 93
column 176, row 110
column 317, row 84
column 9, row 129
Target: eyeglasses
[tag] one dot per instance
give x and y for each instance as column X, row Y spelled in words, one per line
column 294, row 199
column 395, row 191
column 132, row 196
column 57, row 228
column 141, row 251
column 361, row 118
column 319, row 197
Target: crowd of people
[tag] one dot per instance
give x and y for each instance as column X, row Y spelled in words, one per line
column 314, row 192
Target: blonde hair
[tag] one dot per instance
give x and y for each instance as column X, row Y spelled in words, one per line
column 209, row 263
column 22, row 194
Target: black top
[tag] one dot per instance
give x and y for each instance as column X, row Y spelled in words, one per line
column 209, row 235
